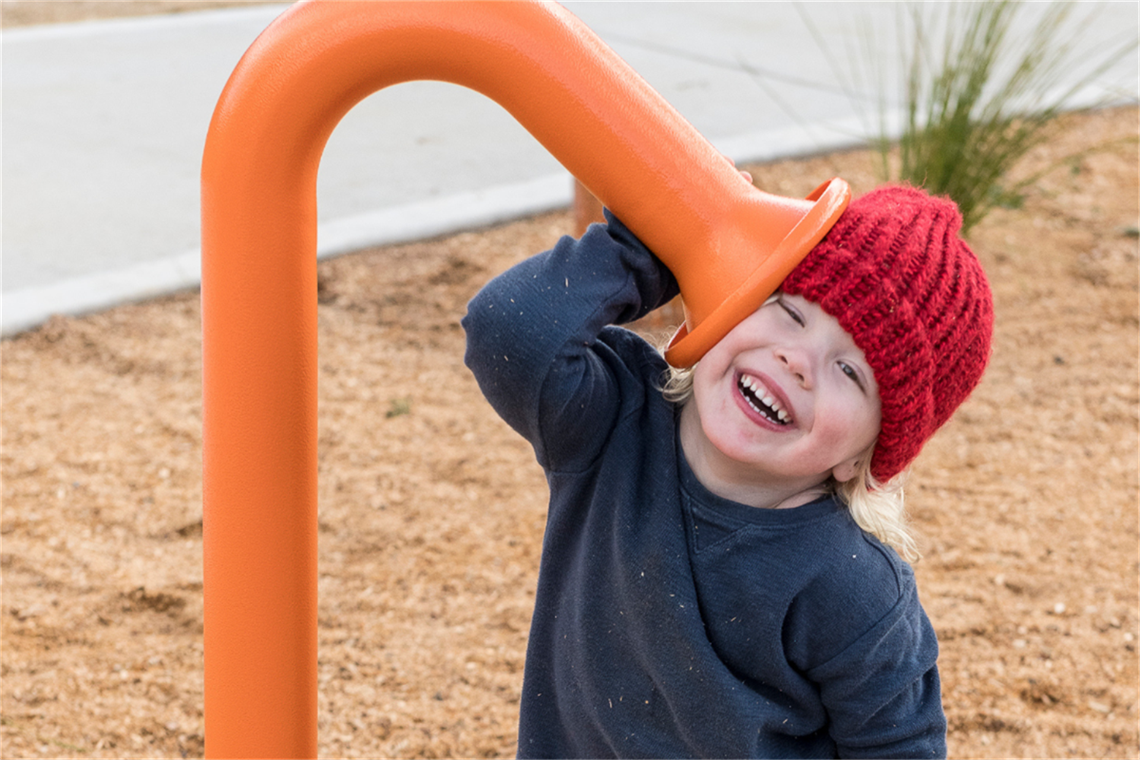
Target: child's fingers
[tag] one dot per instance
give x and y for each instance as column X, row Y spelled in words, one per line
column 743, row 173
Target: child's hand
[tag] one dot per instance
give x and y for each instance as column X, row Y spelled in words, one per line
column 744, row 174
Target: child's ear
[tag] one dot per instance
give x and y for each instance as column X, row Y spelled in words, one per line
column 844, row 471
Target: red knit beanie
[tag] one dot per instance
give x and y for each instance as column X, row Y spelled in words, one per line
column 895, row 273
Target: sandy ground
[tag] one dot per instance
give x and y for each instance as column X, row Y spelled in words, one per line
column 431, row 510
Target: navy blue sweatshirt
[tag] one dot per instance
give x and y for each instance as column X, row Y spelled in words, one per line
column 670, row 622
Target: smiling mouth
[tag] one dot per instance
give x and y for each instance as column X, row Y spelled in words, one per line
column 762, row 402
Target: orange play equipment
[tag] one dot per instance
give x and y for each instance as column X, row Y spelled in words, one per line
column 729, row 244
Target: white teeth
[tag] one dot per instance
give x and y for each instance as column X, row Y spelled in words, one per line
column 765, row 398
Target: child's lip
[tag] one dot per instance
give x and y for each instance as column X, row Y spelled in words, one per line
column 766, row 387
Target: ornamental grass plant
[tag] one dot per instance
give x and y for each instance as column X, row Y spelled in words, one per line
column 979, row 85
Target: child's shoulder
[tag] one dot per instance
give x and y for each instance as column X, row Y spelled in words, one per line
column 857, row 586
column 857, row 563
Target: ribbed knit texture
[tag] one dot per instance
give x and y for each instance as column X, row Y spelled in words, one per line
column 898, row 277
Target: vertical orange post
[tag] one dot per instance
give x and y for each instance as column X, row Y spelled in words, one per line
column 726, row 241
column 587, row 208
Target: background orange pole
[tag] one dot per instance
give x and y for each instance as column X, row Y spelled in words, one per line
column 259, row 171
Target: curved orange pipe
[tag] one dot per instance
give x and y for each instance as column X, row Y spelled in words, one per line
column 728, row 243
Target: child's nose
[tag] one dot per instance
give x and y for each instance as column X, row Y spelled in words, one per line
column 796, row 361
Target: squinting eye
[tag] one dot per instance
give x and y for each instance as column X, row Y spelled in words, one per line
column 848, row 370
column 792, row 313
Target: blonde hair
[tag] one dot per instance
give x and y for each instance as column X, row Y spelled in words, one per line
column 880, row 508
column 877, row 508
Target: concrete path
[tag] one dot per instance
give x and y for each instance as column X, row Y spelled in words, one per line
column 104, row 125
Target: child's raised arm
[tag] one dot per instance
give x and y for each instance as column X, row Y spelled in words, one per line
column 537, row 343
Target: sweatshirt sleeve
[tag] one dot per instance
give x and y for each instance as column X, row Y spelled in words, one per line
column 881, row 691
column 537, row 340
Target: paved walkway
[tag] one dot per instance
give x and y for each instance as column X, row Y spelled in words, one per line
column 104, row 124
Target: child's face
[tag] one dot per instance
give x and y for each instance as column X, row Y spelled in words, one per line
column 786, row 399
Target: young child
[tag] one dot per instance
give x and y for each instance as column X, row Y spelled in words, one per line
column 716, row 576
